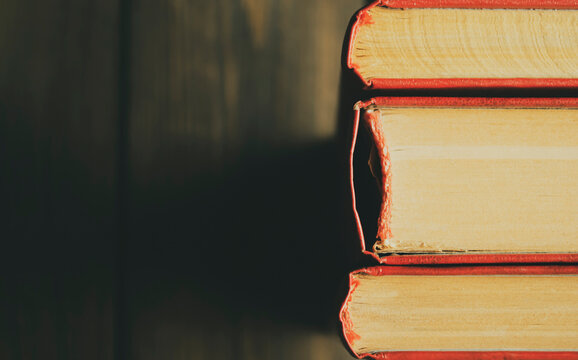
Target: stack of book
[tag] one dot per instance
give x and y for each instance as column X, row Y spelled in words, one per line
column 477, row 229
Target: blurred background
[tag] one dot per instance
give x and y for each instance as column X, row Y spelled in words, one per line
column 173, row 179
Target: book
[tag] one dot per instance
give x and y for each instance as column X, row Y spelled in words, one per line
column 484, row 312
column 466, row 44
column 470, row 180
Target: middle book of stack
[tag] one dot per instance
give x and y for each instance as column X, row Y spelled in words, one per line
column 477, row 197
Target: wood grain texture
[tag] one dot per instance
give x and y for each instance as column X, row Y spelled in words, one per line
column 233, row 161
column 197, row 142
column 57, row 160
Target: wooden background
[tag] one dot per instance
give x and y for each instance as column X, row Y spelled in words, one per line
column 172, row 179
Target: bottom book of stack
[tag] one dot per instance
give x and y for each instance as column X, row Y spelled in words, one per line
column 472, row 312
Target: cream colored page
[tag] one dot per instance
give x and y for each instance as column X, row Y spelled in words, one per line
column 487, row 180
column 465, row 313
column 467, row 43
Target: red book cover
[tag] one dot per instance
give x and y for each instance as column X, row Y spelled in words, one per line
column 415, row 58
column 470, row 312
column 518, row 131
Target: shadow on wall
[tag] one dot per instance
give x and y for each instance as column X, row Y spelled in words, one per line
column 263, row 239
column 271, row 236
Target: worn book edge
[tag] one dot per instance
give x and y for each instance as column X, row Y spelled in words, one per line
column 363, row 17
column 350, row 336
column 449, row 258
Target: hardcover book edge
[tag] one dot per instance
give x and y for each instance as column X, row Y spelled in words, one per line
column 350, row 336
column 363, row 17
column 425, row 259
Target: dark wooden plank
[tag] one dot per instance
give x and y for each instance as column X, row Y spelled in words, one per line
column 235, row 192
column 57, row 159
column 232, row 191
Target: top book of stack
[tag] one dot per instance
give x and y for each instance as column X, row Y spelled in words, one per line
column 466, row 44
